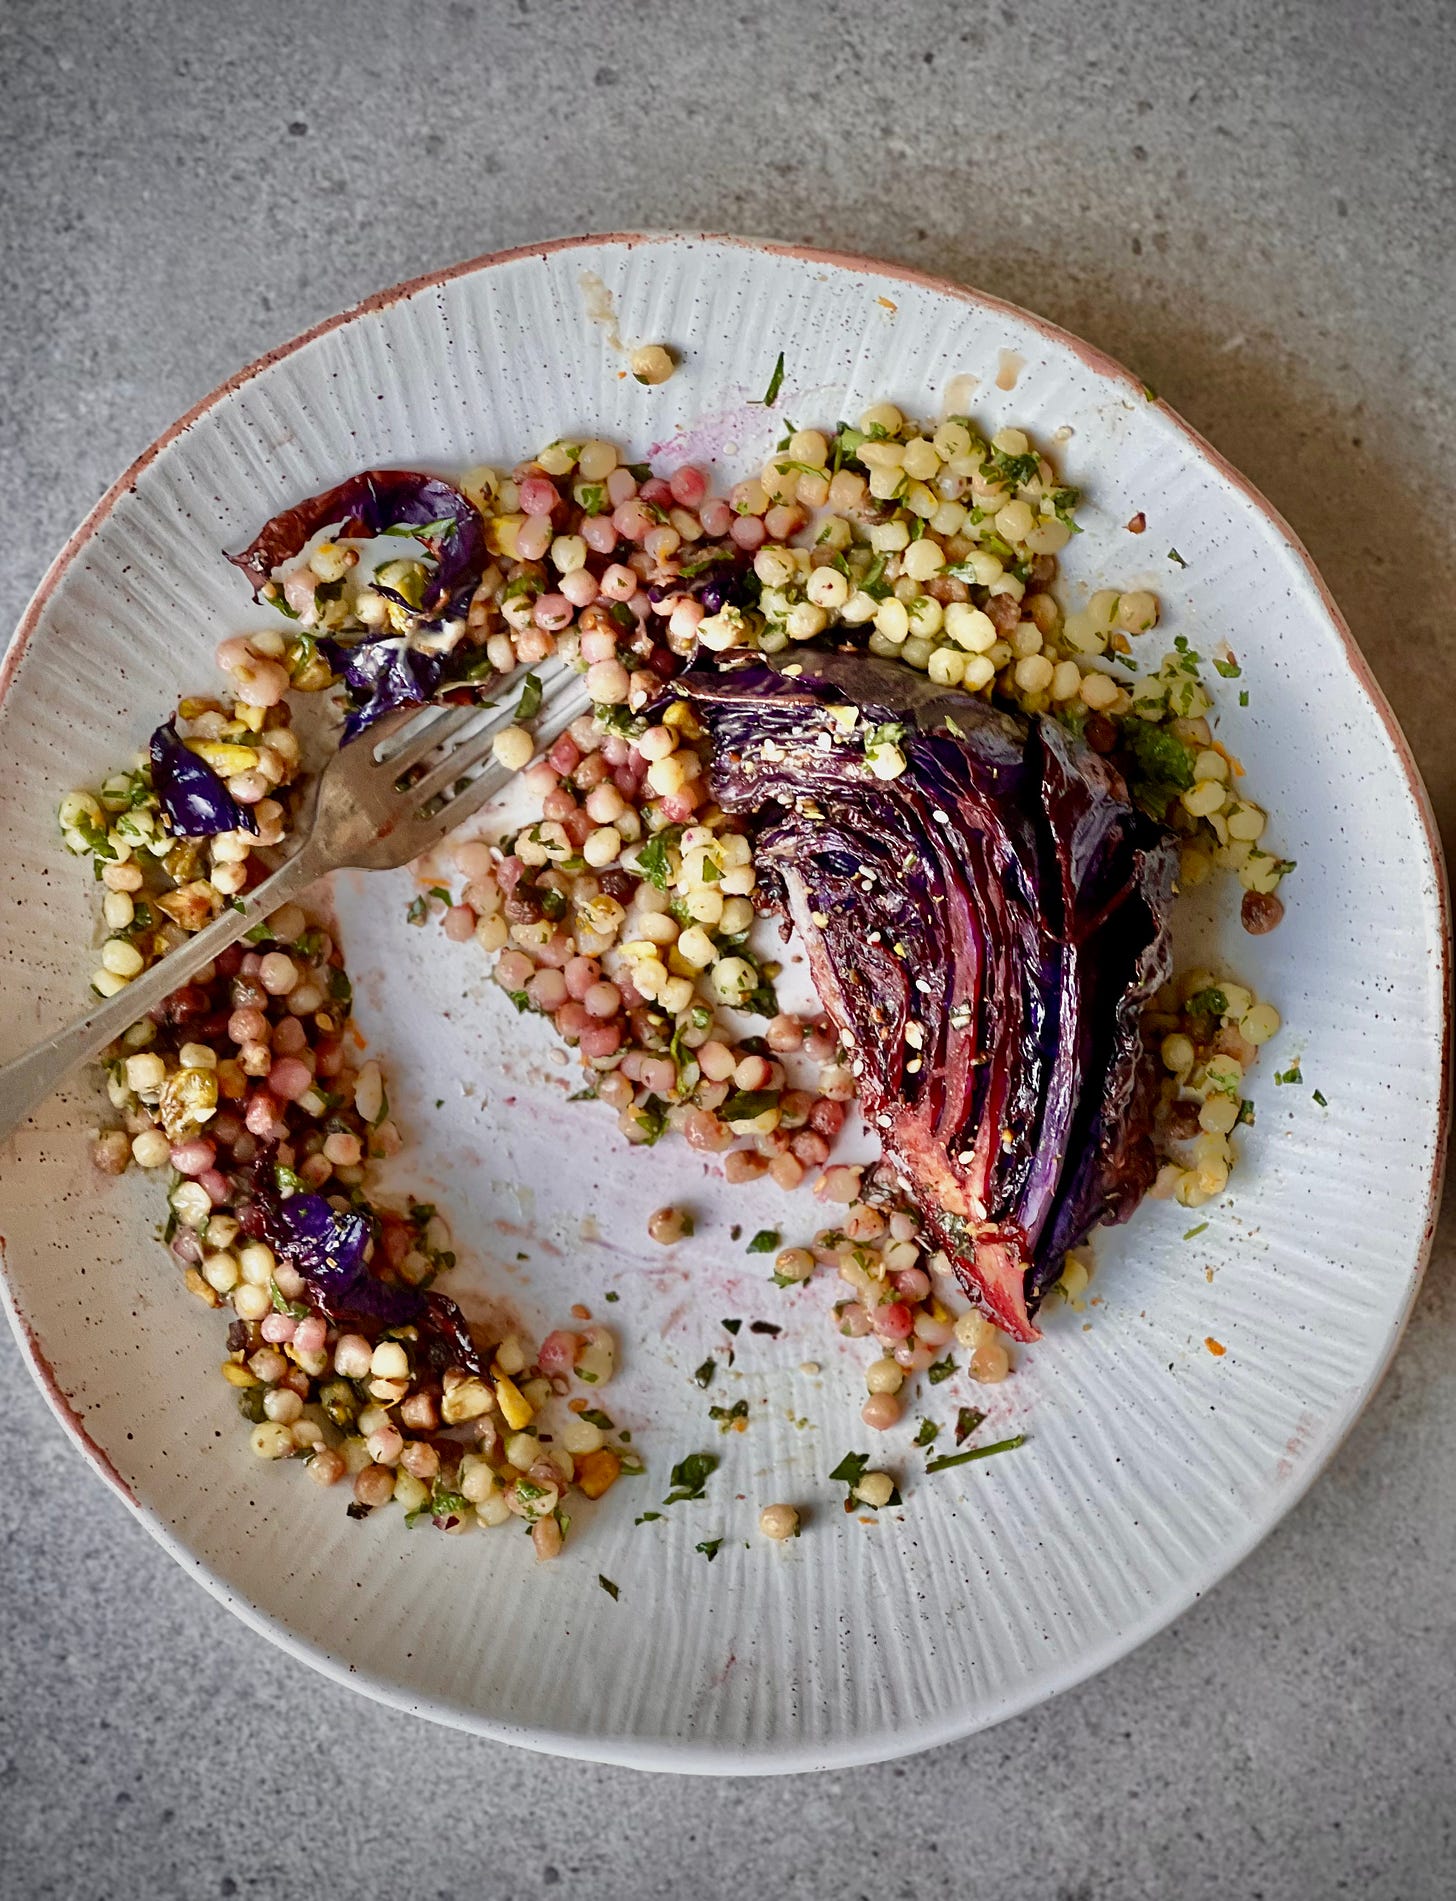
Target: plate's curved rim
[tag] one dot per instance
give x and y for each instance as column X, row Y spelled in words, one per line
column 707, row 1757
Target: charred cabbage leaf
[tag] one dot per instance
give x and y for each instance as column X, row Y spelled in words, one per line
column 331, row 1248
column 382, row 674
column 985, row 928
column 378, row 502
column 192, row 797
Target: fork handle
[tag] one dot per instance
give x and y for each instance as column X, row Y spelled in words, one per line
column 25, row 1083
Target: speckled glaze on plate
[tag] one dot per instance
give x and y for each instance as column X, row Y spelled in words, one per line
column 1154, row 1464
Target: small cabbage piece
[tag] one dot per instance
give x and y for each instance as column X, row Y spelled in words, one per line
column 330, row 1248
column 193, row 799
column 724, row 579
column 382, row 674
column 984, row 925
column 378, row 502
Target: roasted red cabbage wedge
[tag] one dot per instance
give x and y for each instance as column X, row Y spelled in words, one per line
column 985, row 927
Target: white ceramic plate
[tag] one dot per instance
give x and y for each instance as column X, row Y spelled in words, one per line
column 1153, row 1466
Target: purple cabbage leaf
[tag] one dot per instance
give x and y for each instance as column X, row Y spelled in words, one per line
column 377, row 502
column 984, row 926
column 331, row 1249
column 192, row 797
column 382, row 674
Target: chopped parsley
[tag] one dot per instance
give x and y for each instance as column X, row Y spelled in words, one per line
column 1211, row 1002
column 292, row 1308
column 704, row 1374
column 941, row 1370
column 969, row 1419
column 1173, row 555
column 613, row 1591
column 850, row 1470
column 653, row 861
column 1320, row 1100
column 617, row 719
column 1227, row 669
column 744, row 1104
column 709, row 1548
column 1244, row 697
column 927, row 1433
column 1161, row 757
column 647, row 1518
column 766, row 1241
column 775, row 383
column 651, row 1117
column 1015, row 469
column 1063, row 501
column 1290, row 1075
column 689, row 1476
column 529, row 704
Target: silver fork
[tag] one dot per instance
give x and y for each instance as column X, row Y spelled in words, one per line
column 360, row 818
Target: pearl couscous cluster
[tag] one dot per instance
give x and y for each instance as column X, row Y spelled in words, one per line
column 624, row 912
column 253, row 1064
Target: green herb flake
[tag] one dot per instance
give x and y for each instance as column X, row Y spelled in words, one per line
column 529, row 704
column 294, row 1309
column 948, row 1459
column 651, row 1117
column 927, row 1433
column 709, row 1548
column 1227, row 669
column 1290, row 1075
column 704, row 1374
column 969, row 1419
column 689, row 1476
column 766, row 1241
column 1173, row 555
column 653, row 861
column 611, row 1297
column 775, row 383
column 744, row 1104
column 520, row 1000
column 1211, row 1002
column 1161, row 757
column 850, row 1470
column 941, row 1370
column 731, row 1326
column 1015, row 469
column 1319, row 1098
column 613, row 1591
column 1202, row 1228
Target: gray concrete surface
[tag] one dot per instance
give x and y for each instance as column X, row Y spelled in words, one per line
column 1253, row 205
